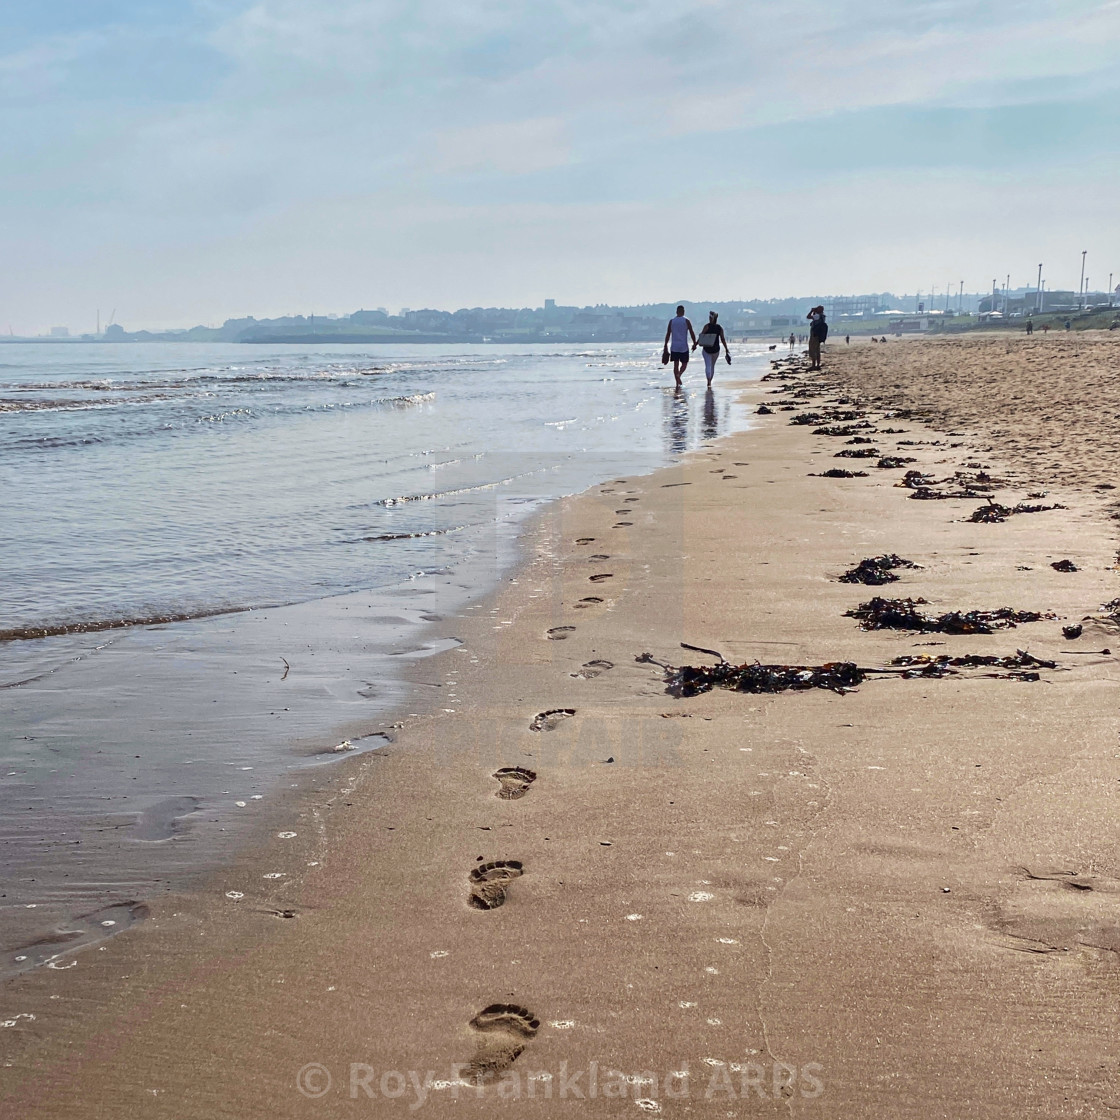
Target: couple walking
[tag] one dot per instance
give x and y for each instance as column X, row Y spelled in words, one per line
column 711, row 337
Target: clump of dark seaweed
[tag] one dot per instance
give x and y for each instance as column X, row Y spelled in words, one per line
column 1064, row 566
column 913, row 480
column 762, row 410
column 894, row 431
column 692, row 680
column 990, row 514
column 842, row 429
column 980, row 478
column 876, row 570
column 890, row 462
column 1021, row 666
column 924, row 493
column 903, row 614
column 993, row 512
column 858, row 453
column 836, row 676
column 839, row 472
column 861, row 439
column 808, row 418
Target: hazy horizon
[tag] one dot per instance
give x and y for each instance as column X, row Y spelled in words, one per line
column 186, row 163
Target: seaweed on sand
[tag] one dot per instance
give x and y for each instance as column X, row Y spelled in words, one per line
column 692, row 680
column 839, row 472
column 993, row 512
column 903, row 614
column 911, row 480
column 1021, row 665
column 842, row 429
column 925, row 493
column 858, row 453
column 876, row 570
column 890, row 462
column 837, row 415
column 835, row 676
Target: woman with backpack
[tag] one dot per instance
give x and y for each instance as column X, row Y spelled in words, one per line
column 710, row 338
column 818, row 332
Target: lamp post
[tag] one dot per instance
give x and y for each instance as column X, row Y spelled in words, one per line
column 1082, row 300
column 960, row 298
column 1038, row 291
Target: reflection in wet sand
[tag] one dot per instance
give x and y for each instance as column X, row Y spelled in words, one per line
column 711, row 425
column 676, row 421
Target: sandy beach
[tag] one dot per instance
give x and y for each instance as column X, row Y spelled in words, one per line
column 898, row 901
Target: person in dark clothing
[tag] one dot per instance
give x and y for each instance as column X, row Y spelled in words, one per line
column 818, row 332
column 710, row 338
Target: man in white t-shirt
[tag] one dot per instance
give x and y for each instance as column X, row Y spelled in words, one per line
column 676, row 342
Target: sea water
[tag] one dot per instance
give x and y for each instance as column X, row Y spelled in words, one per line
column 216, row 557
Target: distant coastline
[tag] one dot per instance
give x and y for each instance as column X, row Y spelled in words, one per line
column 876, row 313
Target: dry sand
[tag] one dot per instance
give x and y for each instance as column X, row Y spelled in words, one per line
column 899, row 902
column 1050, row 402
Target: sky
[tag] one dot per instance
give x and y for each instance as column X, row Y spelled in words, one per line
column 185, row 161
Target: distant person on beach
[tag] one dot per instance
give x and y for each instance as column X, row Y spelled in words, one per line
column 847, row 340
column 709, row 341
column 818, row 332
column 1068, row 324
column 791, row 340
column 677, row 334
column 1030, row 327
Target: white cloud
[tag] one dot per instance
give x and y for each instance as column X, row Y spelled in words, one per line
column 335, row 135
column 508, row 147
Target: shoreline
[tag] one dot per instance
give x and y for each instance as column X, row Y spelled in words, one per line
column 727, row 883
column 206, row 829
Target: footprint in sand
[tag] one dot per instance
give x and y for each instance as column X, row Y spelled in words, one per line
column 623, row 511
column 504, row 1029
column 550, row 720
column 559, row 633
column 622, row 524
column 589, row 601
column 515, row 781
column 601, row 576
column 598, row 556
column 490, row 880
column 592, row 669
column 81, row 932
column 584, row 540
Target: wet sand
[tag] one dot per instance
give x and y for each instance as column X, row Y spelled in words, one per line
column 604, row 900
